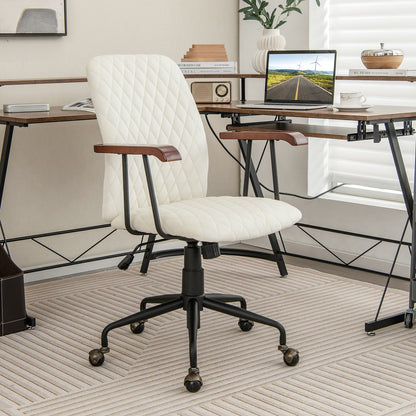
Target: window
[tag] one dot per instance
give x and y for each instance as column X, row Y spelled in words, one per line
column 350, row 26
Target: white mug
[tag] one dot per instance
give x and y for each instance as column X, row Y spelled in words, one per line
column 352, row 99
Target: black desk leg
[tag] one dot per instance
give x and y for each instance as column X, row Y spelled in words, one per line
column 408, row 316
column 274, row 169
column 243, row 89
column 4, row 160
column 248, row 167
column 400, row 169
column 250, row 172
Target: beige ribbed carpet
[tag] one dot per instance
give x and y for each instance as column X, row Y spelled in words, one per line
column 342, row 371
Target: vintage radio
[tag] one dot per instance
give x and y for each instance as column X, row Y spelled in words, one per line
column 211, row 92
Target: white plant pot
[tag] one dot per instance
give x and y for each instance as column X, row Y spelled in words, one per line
column 271, row 40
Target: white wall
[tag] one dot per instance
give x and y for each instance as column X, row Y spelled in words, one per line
column 292, row 164
column 54, row 178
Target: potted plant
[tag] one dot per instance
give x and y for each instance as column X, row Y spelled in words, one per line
column 257, row 10
column 271, row 20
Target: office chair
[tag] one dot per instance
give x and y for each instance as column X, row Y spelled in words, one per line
column 155, row 182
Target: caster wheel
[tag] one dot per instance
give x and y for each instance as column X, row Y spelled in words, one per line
column 291, row 357
column 193, row 386
column 408, row 320
column 193, row 381
column 137, row 327
column 245, row 325
column 96, row 357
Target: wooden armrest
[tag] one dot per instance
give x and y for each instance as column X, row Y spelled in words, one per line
column 294, row 138
column 165, row 153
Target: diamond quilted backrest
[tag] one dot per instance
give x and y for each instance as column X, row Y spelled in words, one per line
column 144, row 99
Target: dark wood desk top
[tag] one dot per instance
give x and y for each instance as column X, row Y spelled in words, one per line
column 55, row 114
column 373, row 114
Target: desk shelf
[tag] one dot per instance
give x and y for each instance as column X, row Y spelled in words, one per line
column 238, row 76
column 241, row 77
column 84, row 79
column 374, row 78
column 309, row 130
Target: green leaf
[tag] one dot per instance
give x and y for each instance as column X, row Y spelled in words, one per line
column 268, row 20
column 263, row 4
column 252, row 17
column 266, row 14
column 318, row 3
column 293, row 9
column 282, row 22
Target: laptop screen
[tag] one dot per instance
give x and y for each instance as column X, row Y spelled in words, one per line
column 300, row 77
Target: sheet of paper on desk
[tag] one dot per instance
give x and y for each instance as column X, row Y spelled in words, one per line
column 84, row 104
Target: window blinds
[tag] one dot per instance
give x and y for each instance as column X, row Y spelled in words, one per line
column 352, row 26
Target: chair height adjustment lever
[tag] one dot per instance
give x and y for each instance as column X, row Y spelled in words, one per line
column 210, row 250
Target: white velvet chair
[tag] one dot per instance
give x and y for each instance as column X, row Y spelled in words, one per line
column 158, row 185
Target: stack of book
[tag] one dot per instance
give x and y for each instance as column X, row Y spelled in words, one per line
column 383, row 72
column 208, row 67
column 207, row 59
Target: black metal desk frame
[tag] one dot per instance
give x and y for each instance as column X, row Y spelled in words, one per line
column 362, row 133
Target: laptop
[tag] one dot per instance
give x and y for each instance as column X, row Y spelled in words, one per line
column 298, row 80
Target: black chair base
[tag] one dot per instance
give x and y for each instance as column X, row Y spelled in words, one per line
column 193, row 300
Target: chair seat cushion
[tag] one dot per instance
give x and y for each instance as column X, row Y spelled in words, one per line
column 217, row 219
